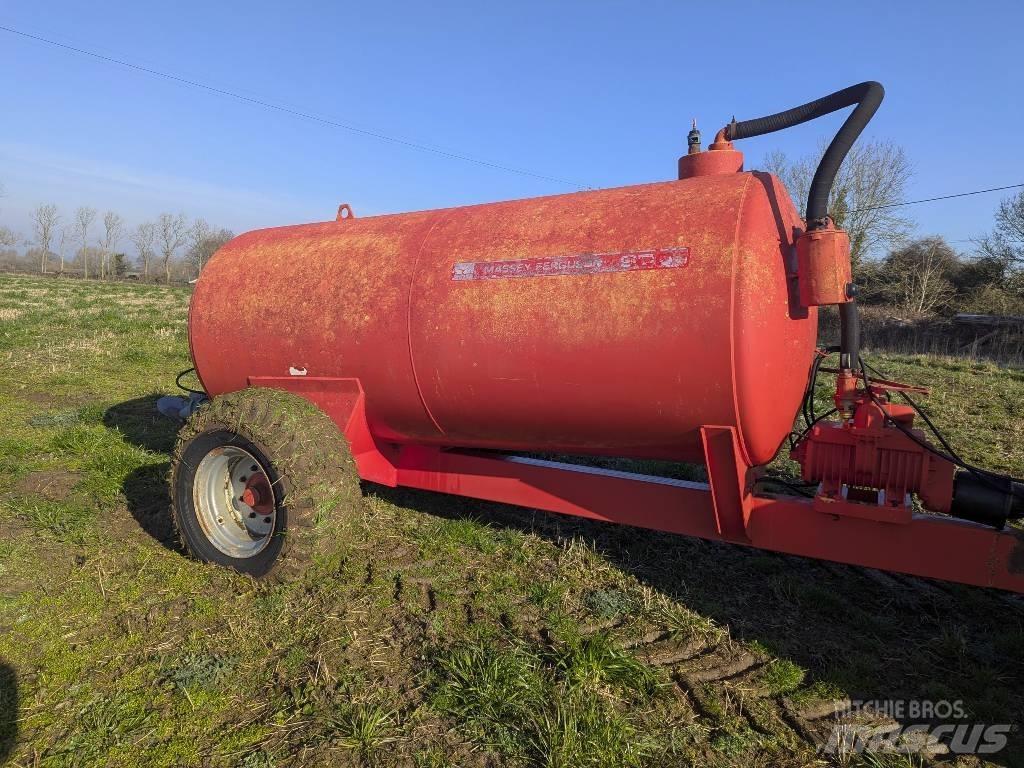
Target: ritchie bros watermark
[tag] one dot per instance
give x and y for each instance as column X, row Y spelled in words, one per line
column 912, row 726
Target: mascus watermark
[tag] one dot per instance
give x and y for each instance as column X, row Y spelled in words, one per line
column 914, row 726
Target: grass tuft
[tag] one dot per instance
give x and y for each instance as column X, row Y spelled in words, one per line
column 366, row 728
column 782, row 676
column 65, row 521
column 558, row 706
column 594, row 663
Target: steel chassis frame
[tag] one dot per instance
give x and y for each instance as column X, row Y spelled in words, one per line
column 726, row 508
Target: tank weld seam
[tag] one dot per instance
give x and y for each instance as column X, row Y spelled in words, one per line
column 732, row 320
column 408, row 319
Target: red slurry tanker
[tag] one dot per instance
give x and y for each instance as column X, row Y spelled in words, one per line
column 673, row 321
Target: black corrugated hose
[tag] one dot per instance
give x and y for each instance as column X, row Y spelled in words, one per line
column 867, row 96
column 980, row 495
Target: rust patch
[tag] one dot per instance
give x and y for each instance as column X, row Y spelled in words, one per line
column 1015, row 562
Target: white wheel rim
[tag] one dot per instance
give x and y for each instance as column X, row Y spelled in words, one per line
column 225, row 479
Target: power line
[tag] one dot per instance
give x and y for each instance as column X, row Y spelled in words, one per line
column 933, row 199
column 295, row 112
column 395, row 139
column 977, row 239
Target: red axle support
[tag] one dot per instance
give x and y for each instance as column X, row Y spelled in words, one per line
column 723, row 509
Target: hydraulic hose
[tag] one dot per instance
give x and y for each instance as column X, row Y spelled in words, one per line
column 849, row 335
column 867, row 96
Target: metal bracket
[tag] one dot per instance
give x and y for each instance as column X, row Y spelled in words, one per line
column 727, row 475
column 345, row 402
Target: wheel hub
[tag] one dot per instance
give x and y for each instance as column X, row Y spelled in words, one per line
column 234, row 501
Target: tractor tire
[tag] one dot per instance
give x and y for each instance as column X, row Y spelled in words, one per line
column 257, row 478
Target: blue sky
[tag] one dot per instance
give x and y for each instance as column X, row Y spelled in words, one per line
column 599, row 93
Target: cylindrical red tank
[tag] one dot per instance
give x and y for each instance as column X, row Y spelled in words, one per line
column 613, row 322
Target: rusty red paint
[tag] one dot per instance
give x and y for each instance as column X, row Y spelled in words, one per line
column 823, row 266
column 719, row 159
column 629, row 363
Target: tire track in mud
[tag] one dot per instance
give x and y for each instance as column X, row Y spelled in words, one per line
column 720, row 679
column 714, row 676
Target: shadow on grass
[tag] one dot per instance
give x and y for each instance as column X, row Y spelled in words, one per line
column 873, row 636
column 149, row 501
column 145, row 489
column 8, row 711
column 142, row 425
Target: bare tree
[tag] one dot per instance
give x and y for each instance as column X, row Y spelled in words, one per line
column 204, row 241
column 197, row 235
column 143, row 238
column 113, row 231
column 44, row 220
column 8, row 237
column 873, row 175
column 170, row 234
column 62, row 245
column 1006, row 242
column 84, row 217
column 919, row 274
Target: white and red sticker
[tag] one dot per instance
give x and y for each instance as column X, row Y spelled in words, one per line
column 581, row 264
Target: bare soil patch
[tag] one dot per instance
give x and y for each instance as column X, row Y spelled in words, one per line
column 50, row 484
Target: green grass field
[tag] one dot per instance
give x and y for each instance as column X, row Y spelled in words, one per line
column 436, row 631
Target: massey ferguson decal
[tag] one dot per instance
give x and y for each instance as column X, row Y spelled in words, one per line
column 582, row 264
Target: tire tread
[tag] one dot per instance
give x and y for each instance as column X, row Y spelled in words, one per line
column 309, row 454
